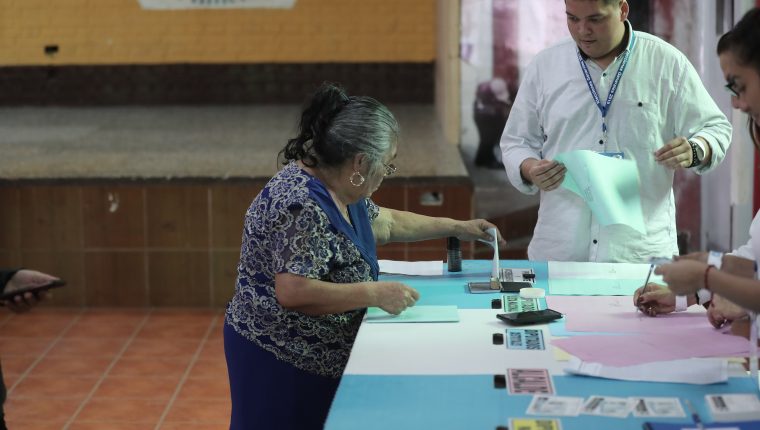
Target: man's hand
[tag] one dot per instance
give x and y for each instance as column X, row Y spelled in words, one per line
column 654, row 299
column 23, row 279
column 545, row 174
column 675, row 154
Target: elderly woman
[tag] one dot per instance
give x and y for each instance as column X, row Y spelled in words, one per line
column 308, row 267
column 731, row 278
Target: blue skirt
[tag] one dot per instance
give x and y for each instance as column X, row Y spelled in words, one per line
column 271, row 394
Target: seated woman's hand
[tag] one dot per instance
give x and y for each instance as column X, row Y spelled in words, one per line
column 394, row 297
column 475, row 229
column 653, row 299
column 723, row 311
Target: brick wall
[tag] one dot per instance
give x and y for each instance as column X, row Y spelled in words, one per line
column 120, row 32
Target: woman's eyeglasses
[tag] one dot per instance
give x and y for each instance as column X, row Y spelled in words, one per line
column 389, row 169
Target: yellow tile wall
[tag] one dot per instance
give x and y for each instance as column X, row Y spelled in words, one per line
column 120, row 32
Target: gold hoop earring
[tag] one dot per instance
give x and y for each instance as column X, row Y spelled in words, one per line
column 354, row 181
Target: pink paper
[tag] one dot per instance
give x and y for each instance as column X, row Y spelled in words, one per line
column 628, row 350
column 617, row 314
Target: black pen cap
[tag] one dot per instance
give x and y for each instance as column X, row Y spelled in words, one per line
column 452, row 243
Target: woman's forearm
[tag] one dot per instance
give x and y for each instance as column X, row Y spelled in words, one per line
column 738, row 266
column 315, row 297
column 412, row 227
column 741, row 290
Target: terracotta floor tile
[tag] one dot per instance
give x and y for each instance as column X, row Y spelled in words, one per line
column 10, row 380
column 205, row 388
column 36, row 425
column 42, row 314
column 114, row 315
column 194, row 426
column 137, row 390
column 16, row 364
column 172, row 331
column 90, row 347
column 118, row 410
column 24, row 346
column 60, row 386
column 213, row 349
column 161, row 348
column 151, row 366
column 101, row 329
column 142, row 387
column 42, row 325
column 183, row 316
column 110, row 425
column 200, row 411
column 216, row 368
column 216, row 334
column 107, row 323
column 29, row 409
column 81, row 366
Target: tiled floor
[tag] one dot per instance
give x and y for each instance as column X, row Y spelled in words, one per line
column 114, row 369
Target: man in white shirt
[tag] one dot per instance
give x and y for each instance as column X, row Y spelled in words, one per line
column 621, row 93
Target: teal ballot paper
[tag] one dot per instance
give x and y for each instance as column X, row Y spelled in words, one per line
column 415, row 314
column 608, row 185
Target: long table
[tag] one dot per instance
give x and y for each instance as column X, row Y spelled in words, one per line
column 441, row 375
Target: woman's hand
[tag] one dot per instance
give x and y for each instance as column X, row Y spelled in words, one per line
column 477, row 229
column 683, row 276
column 394, row 297
column 723, row 311
column 654, row 299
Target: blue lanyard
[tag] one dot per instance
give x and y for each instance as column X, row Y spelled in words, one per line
column 605, row 108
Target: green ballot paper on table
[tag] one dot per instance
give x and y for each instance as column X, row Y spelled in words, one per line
column 415, row 314
column 608, row 185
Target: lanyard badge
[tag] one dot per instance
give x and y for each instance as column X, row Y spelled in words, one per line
column 605, row 108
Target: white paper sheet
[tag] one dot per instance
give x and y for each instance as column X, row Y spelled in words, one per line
column 464, row 348
column 567, row 278
column 417, row 268
column 692, row 371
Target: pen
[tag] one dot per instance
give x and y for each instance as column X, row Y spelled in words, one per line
column 694, row 415
column 644, row 290
column 649, row 275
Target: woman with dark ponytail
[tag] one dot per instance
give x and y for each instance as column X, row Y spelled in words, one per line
column 308, row 267
column 731, row 279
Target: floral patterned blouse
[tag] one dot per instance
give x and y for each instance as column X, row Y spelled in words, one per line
column 291, row 227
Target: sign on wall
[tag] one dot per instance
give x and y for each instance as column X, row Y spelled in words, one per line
column 217, row 4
